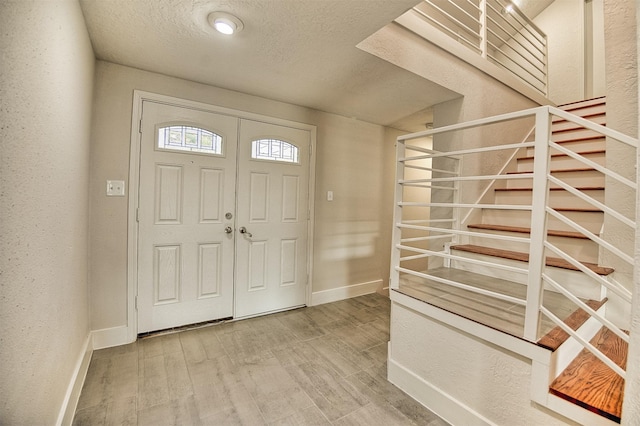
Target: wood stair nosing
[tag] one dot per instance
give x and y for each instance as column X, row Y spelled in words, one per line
column 582, row 188
column 557, row 336
column 580, row 169
column 590, row 383
column 524, row 257
column 583, row 104
column 522, row 230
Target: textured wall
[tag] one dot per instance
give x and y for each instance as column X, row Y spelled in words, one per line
column 486, row 378
column 351, row 233
column 46, row 84
column 621, row 48
column 563, row 23
column 622, row 115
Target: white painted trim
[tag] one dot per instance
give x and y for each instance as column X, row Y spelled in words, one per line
column 72, row 396
column 109, row 337
column 436, row 400
column 134, row 174
column 345, row 292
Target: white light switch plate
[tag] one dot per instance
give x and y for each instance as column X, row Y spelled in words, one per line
column 115, row 188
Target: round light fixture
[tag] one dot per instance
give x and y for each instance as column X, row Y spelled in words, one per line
column 225, row 23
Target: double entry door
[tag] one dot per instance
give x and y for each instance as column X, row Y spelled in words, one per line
column 223, row 217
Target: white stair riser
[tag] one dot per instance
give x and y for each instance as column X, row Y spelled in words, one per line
column 586, row 108
column 591, row 221
column 575, row 281
column 557, row 199
column 562, row 163
column 575, row 134
column 600, row 119
column 577, row 146
column 575, row 179
column 583, row 250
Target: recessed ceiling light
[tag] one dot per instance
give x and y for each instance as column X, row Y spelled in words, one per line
column 225, row 23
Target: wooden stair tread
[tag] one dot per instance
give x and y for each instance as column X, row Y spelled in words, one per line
column 596, row 151
column 583, row 139
column 582, row 188
column 523, row 230
column 589, row 383
column 524, row 257
column 579, row 169
column 557, row 336
column 572, row 209
column 597, row 100
column 577, row 126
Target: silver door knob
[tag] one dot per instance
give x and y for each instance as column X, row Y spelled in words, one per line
column 243, row 230
column 228, row 230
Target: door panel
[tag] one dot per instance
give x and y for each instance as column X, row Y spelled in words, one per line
column 272, row 205
column 185, row 258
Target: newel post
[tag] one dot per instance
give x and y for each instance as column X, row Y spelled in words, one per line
column 538, row 223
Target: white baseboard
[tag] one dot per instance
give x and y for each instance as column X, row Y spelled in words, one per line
column 444, row 405
column 345, row 292
column 109, row 337
column 70, row 402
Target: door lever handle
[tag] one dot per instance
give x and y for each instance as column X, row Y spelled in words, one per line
column 243, row 230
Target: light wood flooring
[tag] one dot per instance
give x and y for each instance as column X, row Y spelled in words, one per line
column 322, row 365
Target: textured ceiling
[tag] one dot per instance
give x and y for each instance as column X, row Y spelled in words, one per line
column 297, row 51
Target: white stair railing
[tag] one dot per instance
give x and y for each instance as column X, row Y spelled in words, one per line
column 495, row 30
column 421, row 243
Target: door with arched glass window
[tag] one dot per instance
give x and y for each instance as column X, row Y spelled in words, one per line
column 222, row 217
column 273, row 200
column 186, row 209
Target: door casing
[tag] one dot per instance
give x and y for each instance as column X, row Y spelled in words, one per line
column 134, row 174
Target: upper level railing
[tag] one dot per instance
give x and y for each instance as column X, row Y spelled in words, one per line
column 438, row 190
column 496, row 30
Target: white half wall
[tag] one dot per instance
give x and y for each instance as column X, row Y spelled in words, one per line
column 462, row 378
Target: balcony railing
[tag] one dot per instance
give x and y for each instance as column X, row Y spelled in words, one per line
column 495, row 30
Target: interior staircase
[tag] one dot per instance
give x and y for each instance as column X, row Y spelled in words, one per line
column 587, row 180
column 586, row 381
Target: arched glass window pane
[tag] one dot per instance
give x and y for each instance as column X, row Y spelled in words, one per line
column 274, row 150
column 190, row 139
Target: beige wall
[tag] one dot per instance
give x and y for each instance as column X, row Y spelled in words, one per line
column 354, row 160
column 631, row 407
column 622, row 114
column 563, row 23
column 46, row 84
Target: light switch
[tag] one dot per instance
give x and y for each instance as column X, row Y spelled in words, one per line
column 329, row 195
column 115, row 188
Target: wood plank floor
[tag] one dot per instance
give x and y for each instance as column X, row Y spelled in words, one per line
column 323, row 365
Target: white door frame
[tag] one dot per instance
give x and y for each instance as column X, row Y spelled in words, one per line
column 134, row 176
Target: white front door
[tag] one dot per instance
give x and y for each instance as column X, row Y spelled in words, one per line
column 201, row 184
column 186, row 202
column 273, row 200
